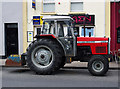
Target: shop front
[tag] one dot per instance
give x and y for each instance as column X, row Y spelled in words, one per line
column 84, row 24
column 37, row 24
column 11, row 30
column 115, row 28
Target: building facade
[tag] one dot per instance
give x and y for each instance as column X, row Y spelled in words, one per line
column 115, row 27
column 11, row 29
column 91, row 15
column 96, row 14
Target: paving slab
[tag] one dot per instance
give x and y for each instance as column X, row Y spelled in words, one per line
column 73, row 64
column 84, row 64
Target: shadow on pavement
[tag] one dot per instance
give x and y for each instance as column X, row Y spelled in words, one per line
column 63, row 71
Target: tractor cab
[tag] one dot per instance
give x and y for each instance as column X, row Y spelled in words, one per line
column 61, row 28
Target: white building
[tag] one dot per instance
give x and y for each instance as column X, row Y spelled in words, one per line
column 11, row 29
column 98, row 20
column 18, row 24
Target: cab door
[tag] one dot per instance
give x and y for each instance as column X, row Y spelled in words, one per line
column 67, row 38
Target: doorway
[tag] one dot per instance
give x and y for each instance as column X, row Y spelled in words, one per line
column 115, row 27
column 37, row 31
column 11, row 39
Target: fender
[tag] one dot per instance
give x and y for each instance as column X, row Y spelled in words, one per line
column 45, row 35
column 51, row 36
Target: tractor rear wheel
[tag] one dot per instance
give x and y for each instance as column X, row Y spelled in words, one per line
column 63, row 62
column 98, row 65
column 44, row 56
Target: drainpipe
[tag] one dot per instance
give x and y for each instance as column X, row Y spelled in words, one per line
column 104, row 16
column 114, row 24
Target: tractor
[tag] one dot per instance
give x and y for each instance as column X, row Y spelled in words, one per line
column 58, row 44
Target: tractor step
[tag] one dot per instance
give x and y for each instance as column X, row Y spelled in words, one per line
column 68, row 59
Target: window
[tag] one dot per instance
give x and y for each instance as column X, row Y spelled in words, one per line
column 37, row 31
column 48, row 6
column 48, row 27
column 76, row 6
column 64, row 29
column 118, row 35
column 89, row 31
column 119, row 11
column 77, row 30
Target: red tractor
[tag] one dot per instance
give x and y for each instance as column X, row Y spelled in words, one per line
column 58, row 44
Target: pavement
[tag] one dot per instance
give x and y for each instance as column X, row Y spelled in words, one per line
column 72, row 75
column 75, row 64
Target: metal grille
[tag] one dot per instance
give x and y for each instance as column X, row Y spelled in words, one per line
column 101, row 49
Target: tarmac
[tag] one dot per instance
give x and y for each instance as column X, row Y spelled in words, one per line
column 76, row 64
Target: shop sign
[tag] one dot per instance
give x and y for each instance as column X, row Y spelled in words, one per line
column 37, row 20
column 41, row 20
column 33, row 4
column 84, row 19
column 29, row 36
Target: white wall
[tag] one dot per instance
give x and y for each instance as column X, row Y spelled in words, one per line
column 1, row 34
column 31, row 12
column 63, row 8
column 97, row 9
column 92, row 7
column 11, row 13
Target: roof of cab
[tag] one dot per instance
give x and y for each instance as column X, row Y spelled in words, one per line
column 56, row 17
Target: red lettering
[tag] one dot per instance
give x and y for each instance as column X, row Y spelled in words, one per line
column 81, row 18
column 89, row 19
column 75, row 18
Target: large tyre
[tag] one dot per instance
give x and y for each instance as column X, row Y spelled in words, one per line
column 98, row 65
column 63, row 62
column 44, row 56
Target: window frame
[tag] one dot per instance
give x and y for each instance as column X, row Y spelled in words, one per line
column 48, row 2
column 77, row 1
column 87, row 27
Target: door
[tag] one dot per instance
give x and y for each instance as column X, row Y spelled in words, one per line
column 66, row 37
column 115, row 27
column 37, row 31
column 11, row 38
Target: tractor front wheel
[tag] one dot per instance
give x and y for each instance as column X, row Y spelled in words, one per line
column 98, row 65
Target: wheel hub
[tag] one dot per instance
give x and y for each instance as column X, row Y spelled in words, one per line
column 43, row 56
column 97, row 66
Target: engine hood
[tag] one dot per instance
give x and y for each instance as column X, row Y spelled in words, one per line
column 92, row 39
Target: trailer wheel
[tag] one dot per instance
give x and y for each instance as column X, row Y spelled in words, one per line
column 98, row 65
column 44, row 56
